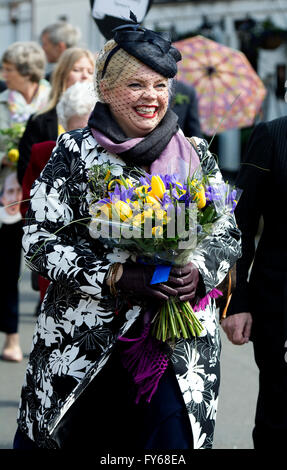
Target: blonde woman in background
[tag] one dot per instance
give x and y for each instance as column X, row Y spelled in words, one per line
column 23, row 68
column 75, row 65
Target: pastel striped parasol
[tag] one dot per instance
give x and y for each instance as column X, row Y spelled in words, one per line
column 229, row 91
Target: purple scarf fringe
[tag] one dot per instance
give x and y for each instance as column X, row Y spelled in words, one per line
column 145, row 361
column 202, row 304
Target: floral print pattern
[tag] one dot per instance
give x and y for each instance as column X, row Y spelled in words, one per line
column 80, row 321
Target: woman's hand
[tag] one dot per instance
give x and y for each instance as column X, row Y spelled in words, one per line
column 185, row 280
column 135, row 279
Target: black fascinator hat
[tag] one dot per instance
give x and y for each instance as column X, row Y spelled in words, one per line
column 153, row 49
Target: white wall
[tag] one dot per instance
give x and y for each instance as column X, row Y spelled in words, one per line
column 20, row 29
column 76, row 12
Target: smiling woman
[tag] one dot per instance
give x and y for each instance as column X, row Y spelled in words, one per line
column 140, row 102
column 108, row 381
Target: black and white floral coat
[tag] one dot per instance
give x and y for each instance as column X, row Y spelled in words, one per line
column 78, row 325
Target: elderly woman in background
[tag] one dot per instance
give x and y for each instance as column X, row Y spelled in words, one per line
column 23, row 67
column 79, row 391
column 75, row 65
column 73, row 111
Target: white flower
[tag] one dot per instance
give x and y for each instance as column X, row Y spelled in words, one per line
column 70, row 143
column 222, row 270
column 45, row 394
column 88, row 312
column 84, row 313
column 198, row 438
column 32, row 234
column 48, row 330
column 211, row 377
column 62, row 257
column 90, row 158
column 116, row 162
column 48, row 206
column 69, row 321
column 184, row 387
column 95, row 280
column 118, row 256
column 211, row 407
column 65, row 363
column 208, row 321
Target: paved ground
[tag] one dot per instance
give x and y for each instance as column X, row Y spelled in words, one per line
column 238, row 384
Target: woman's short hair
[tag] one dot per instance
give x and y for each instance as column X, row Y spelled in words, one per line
column 28, row 58
column 120, row 65
column 78, row 100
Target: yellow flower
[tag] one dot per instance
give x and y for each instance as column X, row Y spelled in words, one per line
column 114, row 182
column 13, row 155
column 160, row 214
column 107, row 175
column 123, row 210
column 148, row 213
column 104, row 209
column 200, row 197
column 136, row 205
column 157, row 231
column 129, row 182
column 157, row 187
column 141, row 190
column 154, row 202
column 137, row 220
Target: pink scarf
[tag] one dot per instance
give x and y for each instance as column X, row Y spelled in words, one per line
column 176, row 159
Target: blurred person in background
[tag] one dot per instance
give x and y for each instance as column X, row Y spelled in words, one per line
column 75, row 65
column 73, row 110
column 58, row 37
column 23, row 68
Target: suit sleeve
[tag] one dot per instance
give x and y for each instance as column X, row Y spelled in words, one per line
column 253, row 180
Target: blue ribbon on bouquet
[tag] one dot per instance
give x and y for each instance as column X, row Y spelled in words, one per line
column 161, row 272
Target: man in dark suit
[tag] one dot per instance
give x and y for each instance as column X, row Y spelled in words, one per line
column 184, row 104
column 258, row 307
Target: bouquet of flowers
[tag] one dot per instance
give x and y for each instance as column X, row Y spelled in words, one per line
column 160, row 220
column 11, row 138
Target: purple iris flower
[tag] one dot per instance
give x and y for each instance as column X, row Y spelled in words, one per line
column 166, row 199
column 115, row 195
column 145, row 180
column 169, row 179
column 106, row 200
column 231, row 200
column 212, row 194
